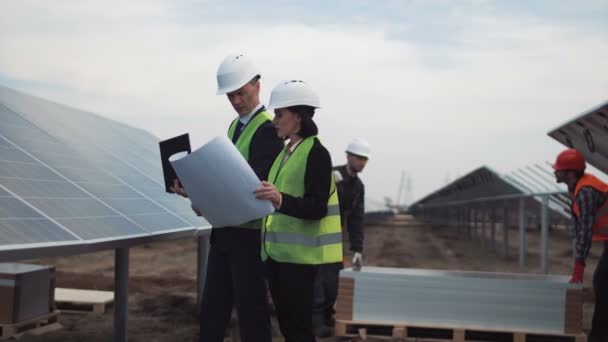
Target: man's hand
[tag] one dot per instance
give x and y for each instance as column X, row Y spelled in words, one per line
column 578, row 273
column 357, row 261
column 177, row 189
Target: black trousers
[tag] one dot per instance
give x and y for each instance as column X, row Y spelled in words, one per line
column 235, row 278
column 599, row 324
column 326, row 293
column 292, row 289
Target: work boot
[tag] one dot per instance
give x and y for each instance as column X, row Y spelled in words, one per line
column 323, row 331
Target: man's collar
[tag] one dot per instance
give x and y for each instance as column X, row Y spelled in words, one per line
column 245, row 119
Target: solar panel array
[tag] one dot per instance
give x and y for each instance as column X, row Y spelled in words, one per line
column 69, row 177
column 589, row 134
column 484, row 183
column 481, row 182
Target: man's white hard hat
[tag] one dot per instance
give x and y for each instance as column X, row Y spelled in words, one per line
column 234, row 72
column 359, row 147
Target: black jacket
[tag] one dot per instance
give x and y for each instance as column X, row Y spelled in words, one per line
column 351, row 193
column 317, row 178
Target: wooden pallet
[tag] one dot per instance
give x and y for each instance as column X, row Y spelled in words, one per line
column 30, row 325
column 419, row 333
column 78, row 301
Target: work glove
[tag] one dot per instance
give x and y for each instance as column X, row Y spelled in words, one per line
column 357, row 261
column 577, row 274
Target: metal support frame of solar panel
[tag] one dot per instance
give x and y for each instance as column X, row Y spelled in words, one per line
column 483, row 198
column 588, row 133
column 539, row 179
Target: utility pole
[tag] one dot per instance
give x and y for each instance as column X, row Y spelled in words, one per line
column 409, row 189
column 400, row 190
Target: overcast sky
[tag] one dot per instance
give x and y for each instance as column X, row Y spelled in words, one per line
column 438, row 87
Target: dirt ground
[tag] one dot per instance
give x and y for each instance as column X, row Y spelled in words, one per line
column 163, row 275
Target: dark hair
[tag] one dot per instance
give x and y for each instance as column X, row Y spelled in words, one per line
column 308, row 127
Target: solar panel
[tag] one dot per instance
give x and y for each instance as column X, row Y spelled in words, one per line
column 481, row 182
column 589, row 134
column 128, row 154
column 57, row 197
column 486, row 183
column 31, row 230
column 68, row 175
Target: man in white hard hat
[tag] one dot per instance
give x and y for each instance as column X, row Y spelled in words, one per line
column 234, row 269
column 351, row 194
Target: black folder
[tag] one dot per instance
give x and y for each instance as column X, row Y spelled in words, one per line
column 169, row 147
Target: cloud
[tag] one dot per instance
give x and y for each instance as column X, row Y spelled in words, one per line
column 437, row 89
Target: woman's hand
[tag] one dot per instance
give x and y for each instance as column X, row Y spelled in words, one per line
column 269, row 192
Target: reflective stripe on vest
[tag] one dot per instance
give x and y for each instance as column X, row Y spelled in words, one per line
column 243, row 144
column 290, row 239
column 303, row 239
column 600, row 221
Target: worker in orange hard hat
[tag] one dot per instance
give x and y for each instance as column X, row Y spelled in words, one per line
column 590, row 211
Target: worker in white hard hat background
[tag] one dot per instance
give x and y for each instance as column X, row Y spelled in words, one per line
column 305, row 230
column 351, row 193
column 235, row 274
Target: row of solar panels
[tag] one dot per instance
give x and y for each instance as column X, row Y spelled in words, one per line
column 588, row 133
column 72, row 179
column 483, row 184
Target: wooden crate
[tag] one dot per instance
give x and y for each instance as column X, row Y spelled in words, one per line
column 30, row 325
column 74, row 300
column 345, row 300
column 428, row 332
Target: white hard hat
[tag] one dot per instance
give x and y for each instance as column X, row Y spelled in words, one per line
column 359, row 147
column 293, row 93
column 234, row 72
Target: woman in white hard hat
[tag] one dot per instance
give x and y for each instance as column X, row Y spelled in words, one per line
column 305, row 231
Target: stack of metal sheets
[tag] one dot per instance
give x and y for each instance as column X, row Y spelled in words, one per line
column 498, row 301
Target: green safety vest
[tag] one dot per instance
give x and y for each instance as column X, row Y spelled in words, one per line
column 243, row 143
column 290, row 239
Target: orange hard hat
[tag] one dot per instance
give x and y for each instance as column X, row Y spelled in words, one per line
column 570, row 159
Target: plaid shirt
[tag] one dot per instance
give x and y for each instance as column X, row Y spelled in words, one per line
column 588, row 200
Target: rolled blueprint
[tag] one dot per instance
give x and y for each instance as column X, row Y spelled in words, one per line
column 220, row 183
